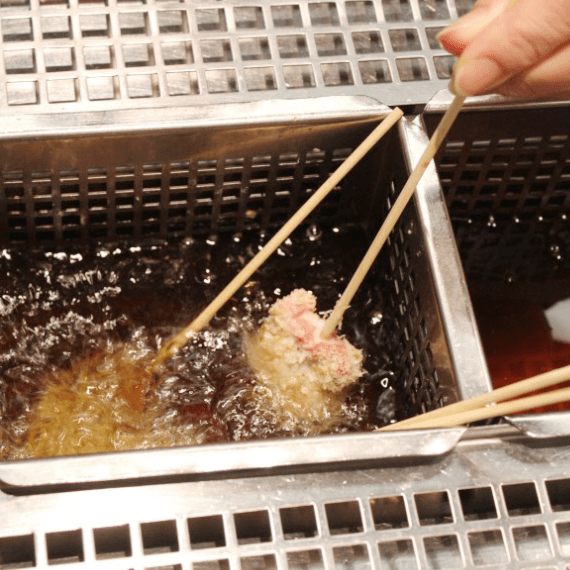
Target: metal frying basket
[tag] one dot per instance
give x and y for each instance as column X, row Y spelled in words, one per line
column 505, row 174
column 124, row 179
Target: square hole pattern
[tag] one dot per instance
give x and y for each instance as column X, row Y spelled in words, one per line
column 334, row 45
column 383, row 518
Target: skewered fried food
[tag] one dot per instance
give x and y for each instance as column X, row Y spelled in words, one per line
column 305, row 372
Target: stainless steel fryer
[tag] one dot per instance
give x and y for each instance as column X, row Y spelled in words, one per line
column 202, row 174
column 492, row 496
column 446, row 499
column 72, row 73
column 504, row 171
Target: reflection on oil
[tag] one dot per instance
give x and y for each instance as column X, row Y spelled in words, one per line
column 78, row 327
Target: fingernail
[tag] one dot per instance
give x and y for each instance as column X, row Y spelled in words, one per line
column 454, row 85
column 444, row 42
column 443, row 32
column 442, row 38
column 457, row 25
column 476, row 76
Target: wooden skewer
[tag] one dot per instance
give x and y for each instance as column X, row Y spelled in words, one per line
column 502, row 409
column 177, row 342
column 391, row 219
column 539, row 382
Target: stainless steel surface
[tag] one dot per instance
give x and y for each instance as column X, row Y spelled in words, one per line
column 543, row 426
column 30, row 128
column 232, row 458
column 92, row 85
column 90, row 158
column 453, row 297
column 73, row 55
column 504, row 170
column 442, row 99
column 491, row 503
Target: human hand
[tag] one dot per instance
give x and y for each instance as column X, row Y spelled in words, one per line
column 517, row 48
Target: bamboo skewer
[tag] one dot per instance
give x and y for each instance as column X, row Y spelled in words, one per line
column 502, row 409
column 475, row 408
column 178, row 341
column 392, row 218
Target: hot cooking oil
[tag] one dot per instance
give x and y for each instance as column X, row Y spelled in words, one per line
column 79, row 326
column 518, row 342
column 513, row 284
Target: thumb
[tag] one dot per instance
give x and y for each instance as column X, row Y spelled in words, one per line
column 461, row 33
column 514, row 41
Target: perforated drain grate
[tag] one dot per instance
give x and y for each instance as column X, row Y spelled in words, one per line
column 92, row 54
column 435, row 516
column 510, row 182
column 176, row 198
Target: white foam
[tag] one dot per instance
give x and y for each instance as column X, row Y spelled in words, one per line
column 558, row 317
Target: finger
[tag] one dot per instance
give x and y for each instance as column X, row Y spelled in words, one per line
column 518, row 39
column 458, row 35
column 548, row 78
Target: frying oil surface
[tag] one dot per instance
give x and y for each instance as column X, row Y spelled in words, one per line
column 78, row 327
column 518, row 342
column 512, row 283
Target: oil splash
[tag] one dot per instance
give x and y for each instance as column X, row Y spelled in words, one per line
column 75, row 316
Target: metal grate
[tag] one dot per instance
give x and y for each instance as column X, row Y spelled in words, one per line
column 411, row 343
column 412, row 516
column 177, row 181
column 262, row 177
column 186, row 197
column 507, row 187
column 103, row 54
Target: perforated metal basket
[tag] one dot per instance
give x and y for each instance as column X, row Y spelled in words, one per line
column 203, row 174
column 504, row 172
